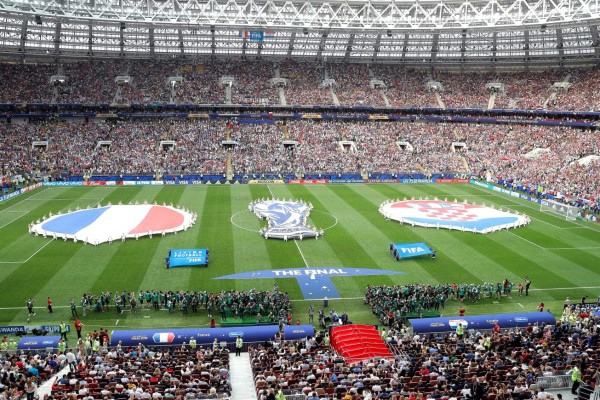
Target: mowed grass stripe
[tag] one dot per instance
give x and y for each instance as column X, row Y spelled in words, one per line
column 316, row 252
column 251, row 251
column 18, row 202
column 445, row 269
column 129, row 263
column 527, row 248
column 551, row 264
column 516, row 260
column 337, row 248
column 586, row 233
column 31, row 278
column 281, row 254
column 17, row 243
column 319, row 252
column 432, row 191
column 216, row 231
column 548, row 237
column 533, row 209
column 156, row 276
column 541, row 225
column 278, row 254
column 578, row 265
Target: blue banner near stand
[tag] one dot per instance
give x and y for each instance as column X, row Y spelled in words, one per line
column 187, row 257
column 11, row 329
column 38, row 342
column 204, row 336
column 481, row 322
column 409, row 250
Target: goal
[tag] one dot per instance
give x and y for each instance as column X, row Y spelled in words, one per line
column 564, row 210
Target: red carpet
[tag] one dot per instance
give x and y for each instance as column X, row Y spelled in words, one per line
column 358, row 343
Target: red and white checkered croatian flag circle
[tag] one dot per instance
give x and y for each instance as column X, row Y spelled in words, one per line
column 451, row 215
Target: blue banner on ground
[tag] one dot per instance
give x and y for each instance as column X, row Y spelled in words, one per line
column 187, row 257
column 315, row 282
column 481, row 322
column 408, row 250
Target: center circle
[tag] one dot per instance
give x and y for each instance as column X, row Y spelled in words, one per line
column 237, row 220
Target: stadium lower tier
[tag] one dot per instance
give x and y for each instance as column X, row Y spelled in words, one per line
column 548, row 159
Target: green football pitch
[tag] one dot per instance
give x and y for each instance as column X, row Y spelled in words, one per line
column 561, row 258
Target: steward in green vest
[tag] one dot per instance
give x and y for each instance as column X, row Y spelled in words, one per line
column 576, row 378
column 239, row 343
column 460, row 331
column 62, row 346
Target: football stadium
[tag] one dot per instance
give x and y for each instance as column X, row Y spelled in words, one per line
column 301, row 200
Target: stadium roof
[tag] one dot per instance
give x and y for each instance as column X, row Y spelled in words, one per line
column 423, row 32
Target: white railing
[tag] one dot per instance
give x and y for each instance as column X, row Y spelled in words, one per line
column 554, row 381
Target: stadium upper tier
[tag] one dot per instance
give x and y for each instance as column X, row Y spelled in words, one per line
column 553, row 157
column 290, row 83
column 464, row 33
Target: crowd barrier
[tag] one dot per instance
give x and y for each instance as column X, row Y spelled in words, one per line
column 554, row 382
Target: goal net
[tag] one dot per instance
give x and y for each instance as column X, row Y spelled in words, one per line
column 564, row 210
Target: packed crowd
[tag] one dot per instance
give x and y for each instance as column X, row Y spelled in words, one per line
column 130, row 148
column 26, row 83
column 535, row 155
column 501, row 364
column 526, row 155
column 22, row 373
column 272, row 306
column 393, row 304
column 460, row 91
column 405, row 87
column 90, row 82
column 304, row 83
column 148, row 81
column 582, row 95
column 353, row 85
column 95, row 82
column 140, row 372
column 526, row 91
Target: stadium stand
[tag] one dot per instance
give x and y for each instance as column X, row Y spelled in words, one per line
column 95, row 82
column 512, row 363
column 529, row 156
column 147, row 373
column 507, row 364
